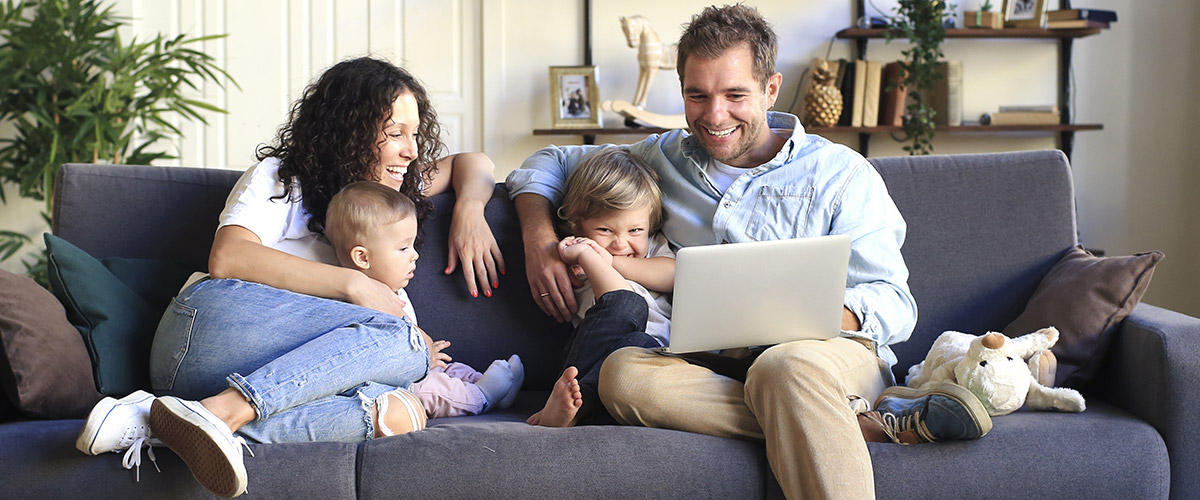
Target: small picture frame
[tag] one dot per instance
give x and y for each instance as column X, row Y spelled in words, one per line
column 574, row 97
column 1025, row 13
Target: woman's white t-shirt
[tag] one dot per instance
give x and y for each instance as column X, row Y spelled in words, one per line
column 256, row 203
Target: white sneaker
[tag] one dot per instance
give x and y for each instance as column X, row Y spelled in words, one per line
column 116, row 425
column 204, row 443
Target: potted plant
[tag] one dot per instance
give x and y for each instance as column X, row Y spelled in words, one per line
column 72, row 90
column 922, row 23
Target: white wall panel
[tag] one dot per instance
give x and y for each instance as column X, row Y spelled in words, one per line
column 351, row 25
column 441, row 46
column 258, row 59
column 275, row 48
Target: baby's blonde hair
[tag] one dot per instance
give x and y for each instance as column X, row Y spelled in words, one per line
column 360, row 208
column 610, row 180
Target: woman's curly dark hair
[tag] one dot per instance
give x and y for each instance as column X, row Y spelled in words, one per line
column 332, row 136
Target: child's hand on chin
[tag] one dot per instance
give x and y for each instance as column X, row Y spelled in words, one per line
column 572, row 248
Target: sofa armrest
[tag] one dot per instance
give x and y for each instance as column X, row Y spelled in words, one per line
column 1153, row 372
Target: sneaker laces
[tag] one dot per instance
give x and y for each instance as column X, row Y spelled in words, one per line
column 893, row 426
column 135, row 438
column 133, row 456
column 241, row 441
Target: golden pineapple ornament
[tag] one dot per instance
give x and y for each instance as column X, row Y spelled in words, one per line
column 823, row 102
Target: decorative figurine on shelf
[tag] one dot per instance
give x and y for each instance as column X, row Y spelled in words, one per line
column 823, row 102
column 653, row 55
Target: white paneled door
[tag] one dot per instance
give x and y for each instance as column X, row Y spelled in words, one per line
column 274, row 48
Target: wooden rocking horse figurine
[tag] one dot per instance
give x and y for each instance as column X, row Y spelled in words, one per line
column 652, row 54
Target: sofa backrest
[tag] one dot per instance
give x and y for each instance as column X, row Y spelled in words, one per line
column 170, row 214
column 135, row 211
column 983, row 229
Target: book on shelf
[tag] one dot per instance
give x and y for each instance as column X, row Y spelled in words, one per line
column 841, row 71
column 1101, row 15
column 947, row 96
column 847, row 88
column 1075, row 23
column 1026, row 117
column 860, row 84
column 895, row 94
column 872, row 87
column 1029, row 108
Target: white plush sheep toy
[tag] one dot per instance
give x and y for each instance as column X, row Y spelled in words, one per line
column 993, row 367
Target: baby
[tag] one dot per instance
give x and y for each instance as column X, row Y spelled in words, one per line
column 373, row 229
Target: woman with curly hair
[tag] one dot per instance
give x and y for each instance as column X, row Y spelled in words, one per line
column 278, row 343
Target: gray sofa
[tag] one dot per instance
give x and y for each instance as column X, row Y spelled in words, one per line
column 983, row 230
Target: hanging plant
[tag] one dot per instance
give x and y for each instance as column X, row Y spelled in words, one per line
column 71, row 90
column 921, row 22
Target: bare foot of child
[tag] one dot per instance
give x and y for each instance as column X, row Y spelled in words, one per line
column 563, row 404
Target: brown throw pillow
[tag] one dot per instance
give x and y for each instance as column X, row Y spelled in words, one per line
column 44, row 368
column 1085, row 297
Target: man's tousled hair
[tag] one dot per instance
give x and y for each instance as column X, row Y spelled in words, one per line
column 718, row 29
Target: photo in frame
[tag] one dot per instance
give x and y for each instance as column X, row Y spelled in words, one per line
column 1025, row 13
column 574, row 97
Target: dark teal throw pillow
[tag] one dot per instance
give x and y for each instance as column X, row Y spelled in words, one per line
column 116, row 305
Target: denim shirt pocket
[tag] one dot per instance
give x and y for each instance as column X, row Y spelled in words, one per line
column 780, row 213
column 171, row 343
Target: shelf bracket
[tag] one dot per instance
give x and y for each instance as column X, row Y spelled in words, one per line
column 1066, row 138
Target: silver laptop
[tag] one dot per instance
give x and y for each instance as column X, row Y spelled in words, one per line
column 759, row 293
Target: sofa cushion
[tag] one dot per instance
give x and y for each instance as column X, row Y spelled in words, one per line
column 1085, row 297
column 116, row 305
column 44, row 368
column 1103, row 452
column 511, row 459
column 41, row 461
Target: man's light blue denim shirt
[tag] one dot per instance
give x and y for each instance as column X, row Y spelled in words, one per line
column 812, row 187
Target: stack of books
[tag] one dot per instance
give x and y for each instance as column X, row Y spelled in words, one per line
column 1080, row 18
column 1026, row 115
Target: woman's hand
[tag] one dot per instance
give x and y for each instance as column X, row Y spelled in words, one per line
column 373, row 294
column 473, row 245
column 472, row 177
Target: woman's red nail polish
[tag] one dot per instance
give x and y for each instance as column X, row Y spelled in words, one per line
column 474, row 293
column 495, row 284
column 447, row 271
column 488, row 293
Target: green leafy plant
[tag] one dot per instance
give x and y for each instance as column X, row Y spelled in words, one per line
column 921, row 22
column 986, row 7
column 71, row 90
